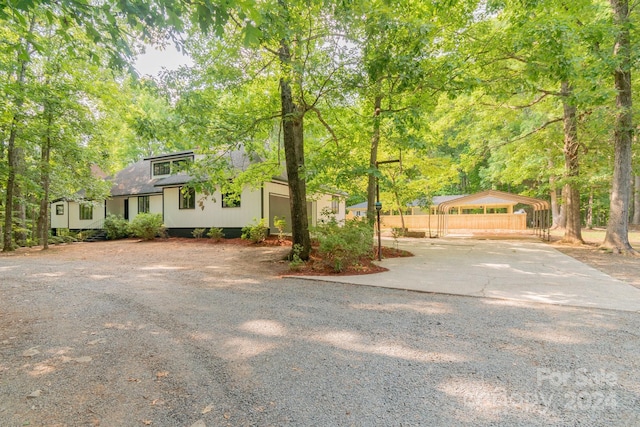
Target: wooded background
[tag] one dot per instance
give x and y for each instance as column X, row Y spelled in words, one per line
column 528, row 96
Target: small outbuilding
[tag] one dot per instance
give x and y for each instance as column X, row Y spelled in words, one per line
column 494, row 210
column 489, row 211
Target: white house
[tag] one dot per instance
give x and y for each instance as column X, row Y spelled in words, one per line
column 154, row 185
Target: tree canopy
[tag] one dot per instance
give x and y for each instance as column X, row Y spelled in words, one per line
column 530, row 97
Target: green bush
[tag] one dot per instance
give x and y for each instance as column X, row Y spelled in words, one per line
column 280, row 224
column 215, row 233
column 116, row 227
column 69, row 238
column 198, row 233
column 256, row 232
column 55, row 240
column 147, row 226
column 341, row 247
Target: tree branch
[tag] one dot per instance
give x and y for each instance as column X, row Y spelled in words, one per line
column 536, row 130
column 326, row 125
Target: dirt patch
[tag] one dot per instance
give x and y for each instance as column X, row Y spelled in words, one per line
column 621, row 267
column 267, row 259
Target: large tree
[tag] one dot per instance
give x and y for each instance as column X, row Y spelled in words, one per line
column 617, row 237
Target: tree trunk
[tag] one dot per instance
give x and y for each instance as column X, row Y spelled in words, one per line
column 45, row 180
column 401, row 216
column 11, row 191
column 373, row 158
column 572, row 231
column 13, row 153
column 399, row 205
column 557, row 219
column 636, row 201
column 293, row 138
column 20, row 206
column 617, row 237
column 589, row 218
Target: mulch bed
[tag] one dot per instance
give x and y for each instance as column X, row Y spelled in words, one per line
column 316, row 266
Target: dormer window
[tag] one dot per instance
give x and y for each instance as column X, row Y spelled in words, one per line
column 161, row 168
column 168, row 167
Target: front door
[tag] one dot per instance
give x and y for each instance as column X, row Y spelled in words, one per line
column 126, row 209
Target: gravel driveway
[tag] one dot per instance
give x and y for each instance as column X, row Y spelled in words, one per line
column 194, row 334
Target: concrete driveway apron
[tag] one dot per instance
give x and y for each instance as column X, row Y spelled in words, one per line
column 519, row 270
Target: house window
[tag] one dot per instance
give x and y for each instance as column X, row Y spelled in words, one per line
column 187, row 198
column 179, row 166
column 143, row 204
column 230, row 200
column 86, row 211
column 335, row 204
column 59, row 209
column 161, row 168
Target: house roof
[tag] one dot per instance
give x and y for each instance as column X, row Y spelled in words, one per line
column 178, row 179
column 358, row 206
column 135, row 179
column 170, row 155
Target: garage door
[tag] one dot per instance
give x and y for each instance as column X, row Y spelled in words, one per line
column 279, row 206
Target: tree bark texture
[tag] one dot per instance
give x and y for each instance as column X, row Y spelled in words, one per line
column 572, row 231
column 589, row 216
column 13, row 161
column 293, row 139
column 373, row 158
column 636, row 201
column 45, row 180
column 557, row 208
column 617, row 237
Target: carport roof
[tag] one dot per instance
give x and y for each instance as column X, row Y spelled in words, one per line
column 494, row 197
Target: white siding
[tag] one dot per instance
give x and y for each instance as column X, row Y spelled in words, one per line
column 155, row 205
column 325, row 202
column 254, row 203
column 213, row 214
column 60, row 221
column 75, row 223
